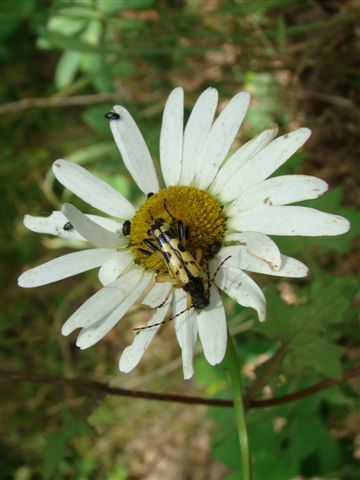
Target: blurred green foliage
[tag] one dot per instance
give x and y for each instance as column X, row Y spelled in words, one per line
column 297, row 59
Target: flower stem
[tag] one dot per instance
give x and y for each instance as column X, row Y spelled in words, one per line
column 231, row 365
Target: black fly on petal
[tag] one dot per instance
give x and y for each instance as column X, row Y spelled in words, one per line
column 68, row 226
column 112, row 116
column 126, row 228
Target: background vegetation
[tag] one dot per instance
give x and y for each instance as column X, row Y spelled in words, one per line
column 64, row 63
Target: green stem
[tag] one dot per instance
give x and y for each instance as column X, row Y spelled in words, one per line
column 231, row 365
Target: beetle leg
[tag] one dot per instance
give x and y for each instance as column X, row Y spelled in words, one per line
column 166, row 299
column 198, row 256
column 188, row 302
column 163, row 278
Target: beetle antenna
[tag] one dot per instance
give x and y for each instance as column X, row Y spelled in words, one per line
column 151, row 217
column 138, row 329
column 217, row 270
column 167, row 210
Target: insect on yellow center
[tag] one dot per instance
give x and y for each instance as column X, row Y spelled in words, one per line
column 200, row 212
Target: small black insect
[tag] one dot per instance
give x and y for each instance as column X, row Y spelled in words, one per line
column 150, row 194
column 126, row 228
column 213, row 249
column 68, row 226
column 112, row 116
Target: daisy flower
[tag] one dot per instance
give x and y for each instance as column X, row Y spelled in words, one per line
column 229, row 206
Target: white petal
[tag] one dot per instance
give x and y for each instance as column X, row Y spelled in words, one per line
column 240, row 258
column 279, row 191
column 65, row 266
column 196, row 132
column 98, row 305
column 107, row 223
column 212, row 328
column 92, row 190
column 269, row 159
column 225, row 184
column 88, row 336
column 186, row 331
column 260, row 246
column 241, row 288
column 54, row 225
column 290, row 221
column 115, row 266
column 90, row 230
column 220, row 138
column 132, row 355
column 171, row 137
column 292, row 268
column 134, row 151
column 157, row 295
column 103, row 301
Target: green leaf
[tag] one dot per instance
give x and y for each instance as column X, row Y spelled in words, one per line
column 225, row 440
column 307, row 330
column 319, row 355
column 57, row 445
column 123, row 68
column 281, row 439
column 55, row 450
column 268, row 110
column 66, row 25
column 81, row 12
column 66, row 69
column 93, row 31
column 212, row 378
column 63, row 42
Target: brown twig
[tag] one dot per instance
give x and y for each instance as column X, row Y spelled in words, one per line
column 100, row 387
column 75, row 100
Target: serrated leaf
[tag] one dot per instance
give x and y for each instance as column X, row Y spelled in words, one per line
column 307, row 330
column 281, row 440
column 319, row 355
column 331, row 297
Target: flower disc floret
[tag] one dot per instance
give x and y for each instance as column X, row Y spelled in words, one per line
column 199, row 211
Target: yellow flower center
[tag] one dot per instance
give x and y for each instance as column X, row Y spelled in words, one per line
column 200, row 212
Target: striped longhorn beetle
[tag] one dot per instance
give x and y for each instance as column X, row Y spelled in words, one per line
column 184, row 269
